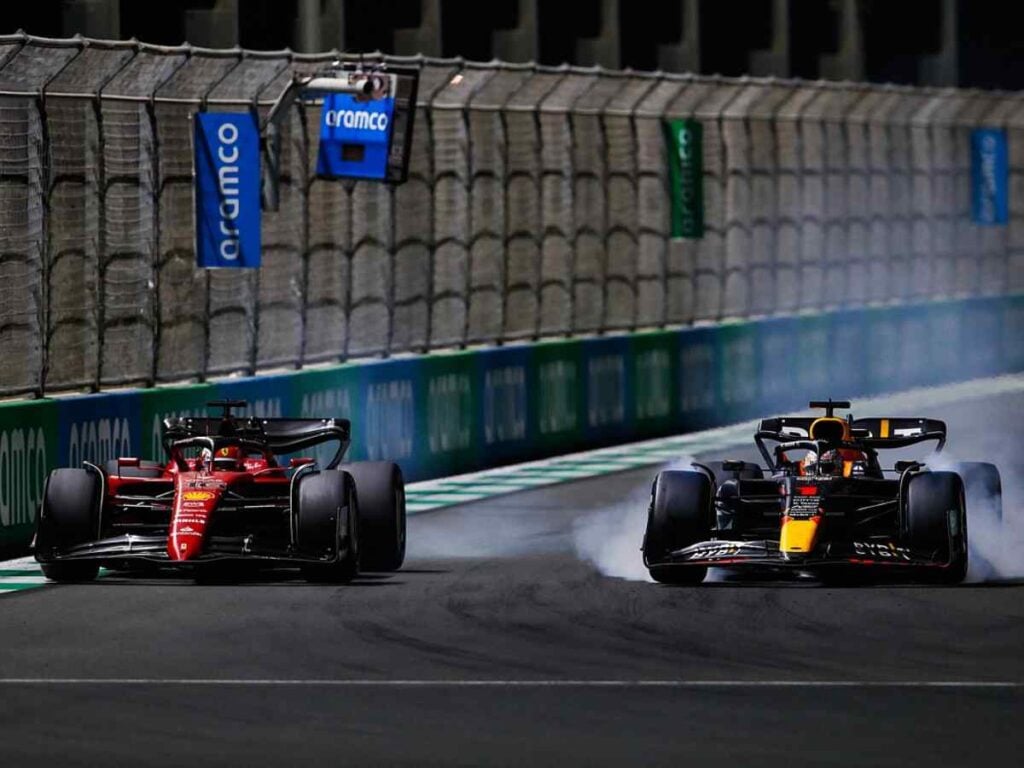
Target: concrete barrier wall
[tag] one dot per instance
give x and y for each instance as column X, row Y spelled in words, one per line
column 446, row 413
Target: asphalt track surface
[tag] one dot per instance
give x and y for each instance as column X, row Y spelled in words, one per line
column 500, row 644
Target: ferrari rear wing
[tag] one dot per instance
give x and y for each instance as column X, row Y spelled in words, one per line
column 281, row 436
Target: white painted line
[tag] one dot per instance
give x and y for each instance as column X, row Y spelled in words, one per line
column 427, row 683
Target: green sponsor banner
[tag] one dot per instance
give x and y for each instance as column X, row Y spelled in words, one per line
column 654, row 358
column 558, row 384
column 451, row 401
column 28, row 451
column 166, row 402
column 685, row 153
column 740, row 371
column 330, row 393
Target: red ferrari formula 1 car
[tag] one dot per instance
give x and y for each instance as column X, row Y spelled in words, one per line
column 822, row 505
column 224, row 499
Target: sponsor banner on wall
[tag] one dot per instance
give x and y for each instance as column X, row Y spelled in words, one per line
column 990, row 172
column 847, row 371
column 608, row 389
column 98, row 428
column 451, row 407
column 654, row 370
column 355, row 137
column 167, row 402
column 507, row 405
column 227, row 189
column 684, row 141
column 697, row 387
column 739, row 373
column 557, row 382
column 777, row 339
column 389, row 421
column 28, row 451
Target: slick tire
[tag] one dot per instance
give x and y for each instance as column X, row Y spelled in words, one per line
column 327, row 526
column 380, row 490
column 145, row 469
column 983, row 489
column 935, row 521
column 679, row 515
column 68, row 516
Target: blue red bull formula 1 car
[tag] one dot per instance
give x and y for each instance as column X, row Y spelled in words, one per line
column 822, row 504
column 225, row 499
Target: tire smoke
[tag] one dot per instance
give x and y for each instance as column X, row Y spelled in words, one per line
column 610, row 537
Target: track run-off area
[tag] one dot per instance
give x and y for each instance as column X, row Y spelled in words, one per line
column 523, row 630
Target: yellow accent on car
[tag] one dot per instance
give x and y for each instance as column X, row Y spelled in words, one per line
column 798, row 536
column 884, row 429
column 829, row 428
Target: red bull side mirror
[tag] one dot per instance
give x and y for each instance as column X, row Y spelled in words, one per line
column 366, row 122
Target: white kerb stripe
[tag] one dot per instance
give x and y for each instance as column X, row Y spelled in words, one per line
column 457, row 683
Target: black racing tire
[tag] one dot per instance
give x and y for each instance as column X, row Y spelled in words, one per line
column 679, row 515
column 327, row 526
column 983, row 488
column 935, row 521
column 145, row 469
column 380, row 490
column 69, row 514
column 750, row 471
column 71, row 571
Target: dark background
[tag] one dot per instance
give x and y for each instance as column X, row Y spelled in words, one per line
column 895, row 35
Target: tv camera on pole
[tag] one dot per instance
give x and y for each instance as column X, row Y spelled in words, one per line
column 366, row 123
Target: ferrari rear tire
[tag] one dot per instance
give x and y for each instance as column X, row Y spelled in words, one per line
column 327, row 526
column 679, row 515
column 70, row 572
column 69, row 514
column 380, row 491
column 935, row 521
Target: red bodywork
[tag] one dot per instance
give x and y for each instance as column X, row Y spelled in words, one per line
column 197, row 492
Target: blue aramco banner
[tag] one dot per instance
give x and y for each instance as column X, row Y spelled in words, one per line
column 227, row 168
column 354, row 137
column 990, row 202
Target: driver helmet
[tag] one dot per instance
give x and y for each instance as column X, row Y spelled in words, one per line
column 809, row 463
column 831, row 463
column 227, row 458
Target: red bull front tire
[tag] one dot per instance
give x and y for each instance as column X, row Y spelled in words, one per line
column 679, row 516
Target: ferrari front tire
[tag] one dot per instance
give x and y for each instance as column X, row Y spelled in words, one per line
column 69, row 514
column 327, row 526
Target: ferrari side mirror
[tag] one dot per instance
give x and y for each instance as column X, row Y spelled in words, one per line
column 300, row 462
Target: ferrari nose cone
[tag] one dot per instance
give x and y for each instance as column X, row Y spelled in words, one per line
column 192, row 509
column 184, row 545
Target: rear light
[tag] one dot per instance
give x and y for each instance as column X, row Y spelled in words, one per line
column 808, row 490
